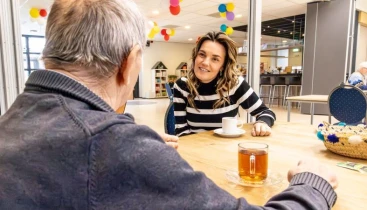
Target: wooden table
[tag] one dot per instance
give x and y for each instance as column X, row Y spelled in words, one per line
column 321, row 99
column 288, row 143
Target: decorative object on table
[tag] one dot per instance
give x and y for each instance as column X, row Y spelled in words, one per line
column 348, row 104
column 347, row 140
column 354, row 166
column 226, row 11
column 174, row 7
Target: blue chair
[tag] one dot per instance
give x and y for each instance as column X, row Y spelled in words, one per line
column 348, row 104
column 169, row 120
column 169, row 92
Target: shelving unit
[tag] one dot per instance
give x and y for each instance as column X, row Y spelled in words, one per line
column 159, row 76
column 181, row 70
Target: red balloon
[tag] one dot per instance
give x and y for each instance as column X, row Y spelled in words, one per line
column 175, row 10
column 164, row 32
column 166, row 37
column 43, row 13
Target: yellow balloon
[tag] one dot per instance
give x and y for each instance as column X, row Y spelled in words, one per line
column 34, row 13
column 156, row 29
column 172, row 32
column 151, row 35
column 229, row 30
column 168, row 31
column 180, row 0
column 155, row 24
column 230, row 7
column 223, row 14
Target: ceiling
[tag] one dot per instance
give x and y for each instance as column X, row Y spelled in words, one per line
column 200, row 15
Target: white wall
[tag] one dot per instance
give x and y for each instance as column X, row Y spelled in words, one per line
column 361, row 54
column 295, row 58
column 361, row 5
column 171, row 54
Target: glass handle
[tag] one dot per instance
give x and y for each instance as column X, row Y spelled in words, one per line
column 252, row 164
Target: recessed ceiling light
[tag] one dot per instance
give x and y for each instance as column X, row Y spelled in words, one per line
column 278, row 32
column 187, row 27
column 190, row 39
column 284, row 41
column 268, row 26
column 155, row 12
column 292, row 21
column 291, row 33
column 239, row 15
column 303, row 34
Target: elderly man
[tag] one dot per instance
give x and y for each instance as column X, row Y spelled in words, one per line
column 63, row 146
column 358, row 78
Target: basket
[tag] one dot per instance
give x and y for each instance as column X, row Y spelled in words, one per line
column 349, row 141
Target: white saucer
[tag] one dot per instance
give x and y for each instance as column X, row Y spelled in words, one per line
column 238, row 133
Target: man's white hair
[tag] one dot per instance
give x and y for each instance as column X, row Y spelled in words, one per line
column 97, row 35
column 362, row 65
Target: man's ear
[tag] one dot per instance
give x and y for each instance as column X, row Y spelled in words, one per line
column 128, row 66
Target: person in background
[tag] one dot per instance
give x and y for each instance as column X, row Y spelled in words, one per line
column 358, row 78
column 214, row 89
column 63, row 146
column 262, row 69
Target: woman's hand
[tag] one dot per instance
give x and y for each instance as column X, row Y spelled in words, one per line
column 170, row 140
column 261, row 129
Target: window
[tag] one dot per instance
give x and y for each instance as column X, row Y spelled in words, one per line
column 32, row 49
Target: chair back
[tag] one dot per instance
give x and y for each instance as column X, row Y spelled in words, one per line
column 169, row 92
column 348, row 104
column 169, row 120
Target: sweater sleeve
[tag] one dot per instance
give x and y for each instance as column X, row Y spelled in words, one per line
column 179, row 102
column 251, row 102
column 170, row 183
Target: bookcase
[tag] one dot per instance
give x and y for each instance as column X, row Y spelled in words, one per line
column 160, row 78
column 181, row 70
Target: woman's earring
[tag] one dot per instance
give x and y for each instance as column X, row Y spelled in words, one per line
column 220, row 73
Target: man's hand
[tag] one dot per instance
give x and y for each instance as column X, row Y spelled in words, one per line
column 170, row 140
column 261, row 129
column 313, row 166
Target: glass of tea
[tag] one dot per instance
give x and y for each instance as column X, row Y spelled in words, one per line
column 253, row 161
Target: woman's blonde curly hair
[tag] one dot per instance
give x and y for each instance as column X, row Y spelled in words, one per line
column 226, row 79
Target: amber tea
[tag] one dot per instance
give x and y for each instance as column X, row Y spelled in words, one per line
column 253, row 161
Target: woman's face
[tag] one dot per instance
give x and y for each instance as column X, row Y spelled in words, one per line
column 209, row 61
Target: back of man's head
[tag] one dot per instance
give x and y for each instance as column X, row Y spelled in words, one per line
column 94, row 34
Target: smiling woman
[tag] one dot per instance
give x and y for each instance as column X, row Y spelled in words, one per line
column 214, row 89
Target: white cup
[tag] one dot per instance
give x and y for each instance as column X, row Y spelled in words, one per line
column 230, row 125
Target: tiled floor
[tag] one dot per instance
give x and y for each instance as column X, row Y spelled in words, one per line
column 152, row 114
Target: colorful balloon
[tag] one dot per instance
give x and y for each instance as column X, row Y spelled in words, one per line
column 151, row 35
column 230, row 16
column 34, row 13
column 41, row 21
column 223, row 14
column 223, row 27
column 172, row 32
column 229, row 30
column 174, row 3
column 163, row 32
column 43, row 13
column 155, row 23
column 166, row 37
column 175, row 10
column 180, row 0
column 222, row 8
column 155, row 29
column 168, row 31
column 230, row 7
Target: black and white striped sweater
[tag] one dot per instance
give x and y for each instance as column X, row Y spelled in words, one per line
column 189, row 120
